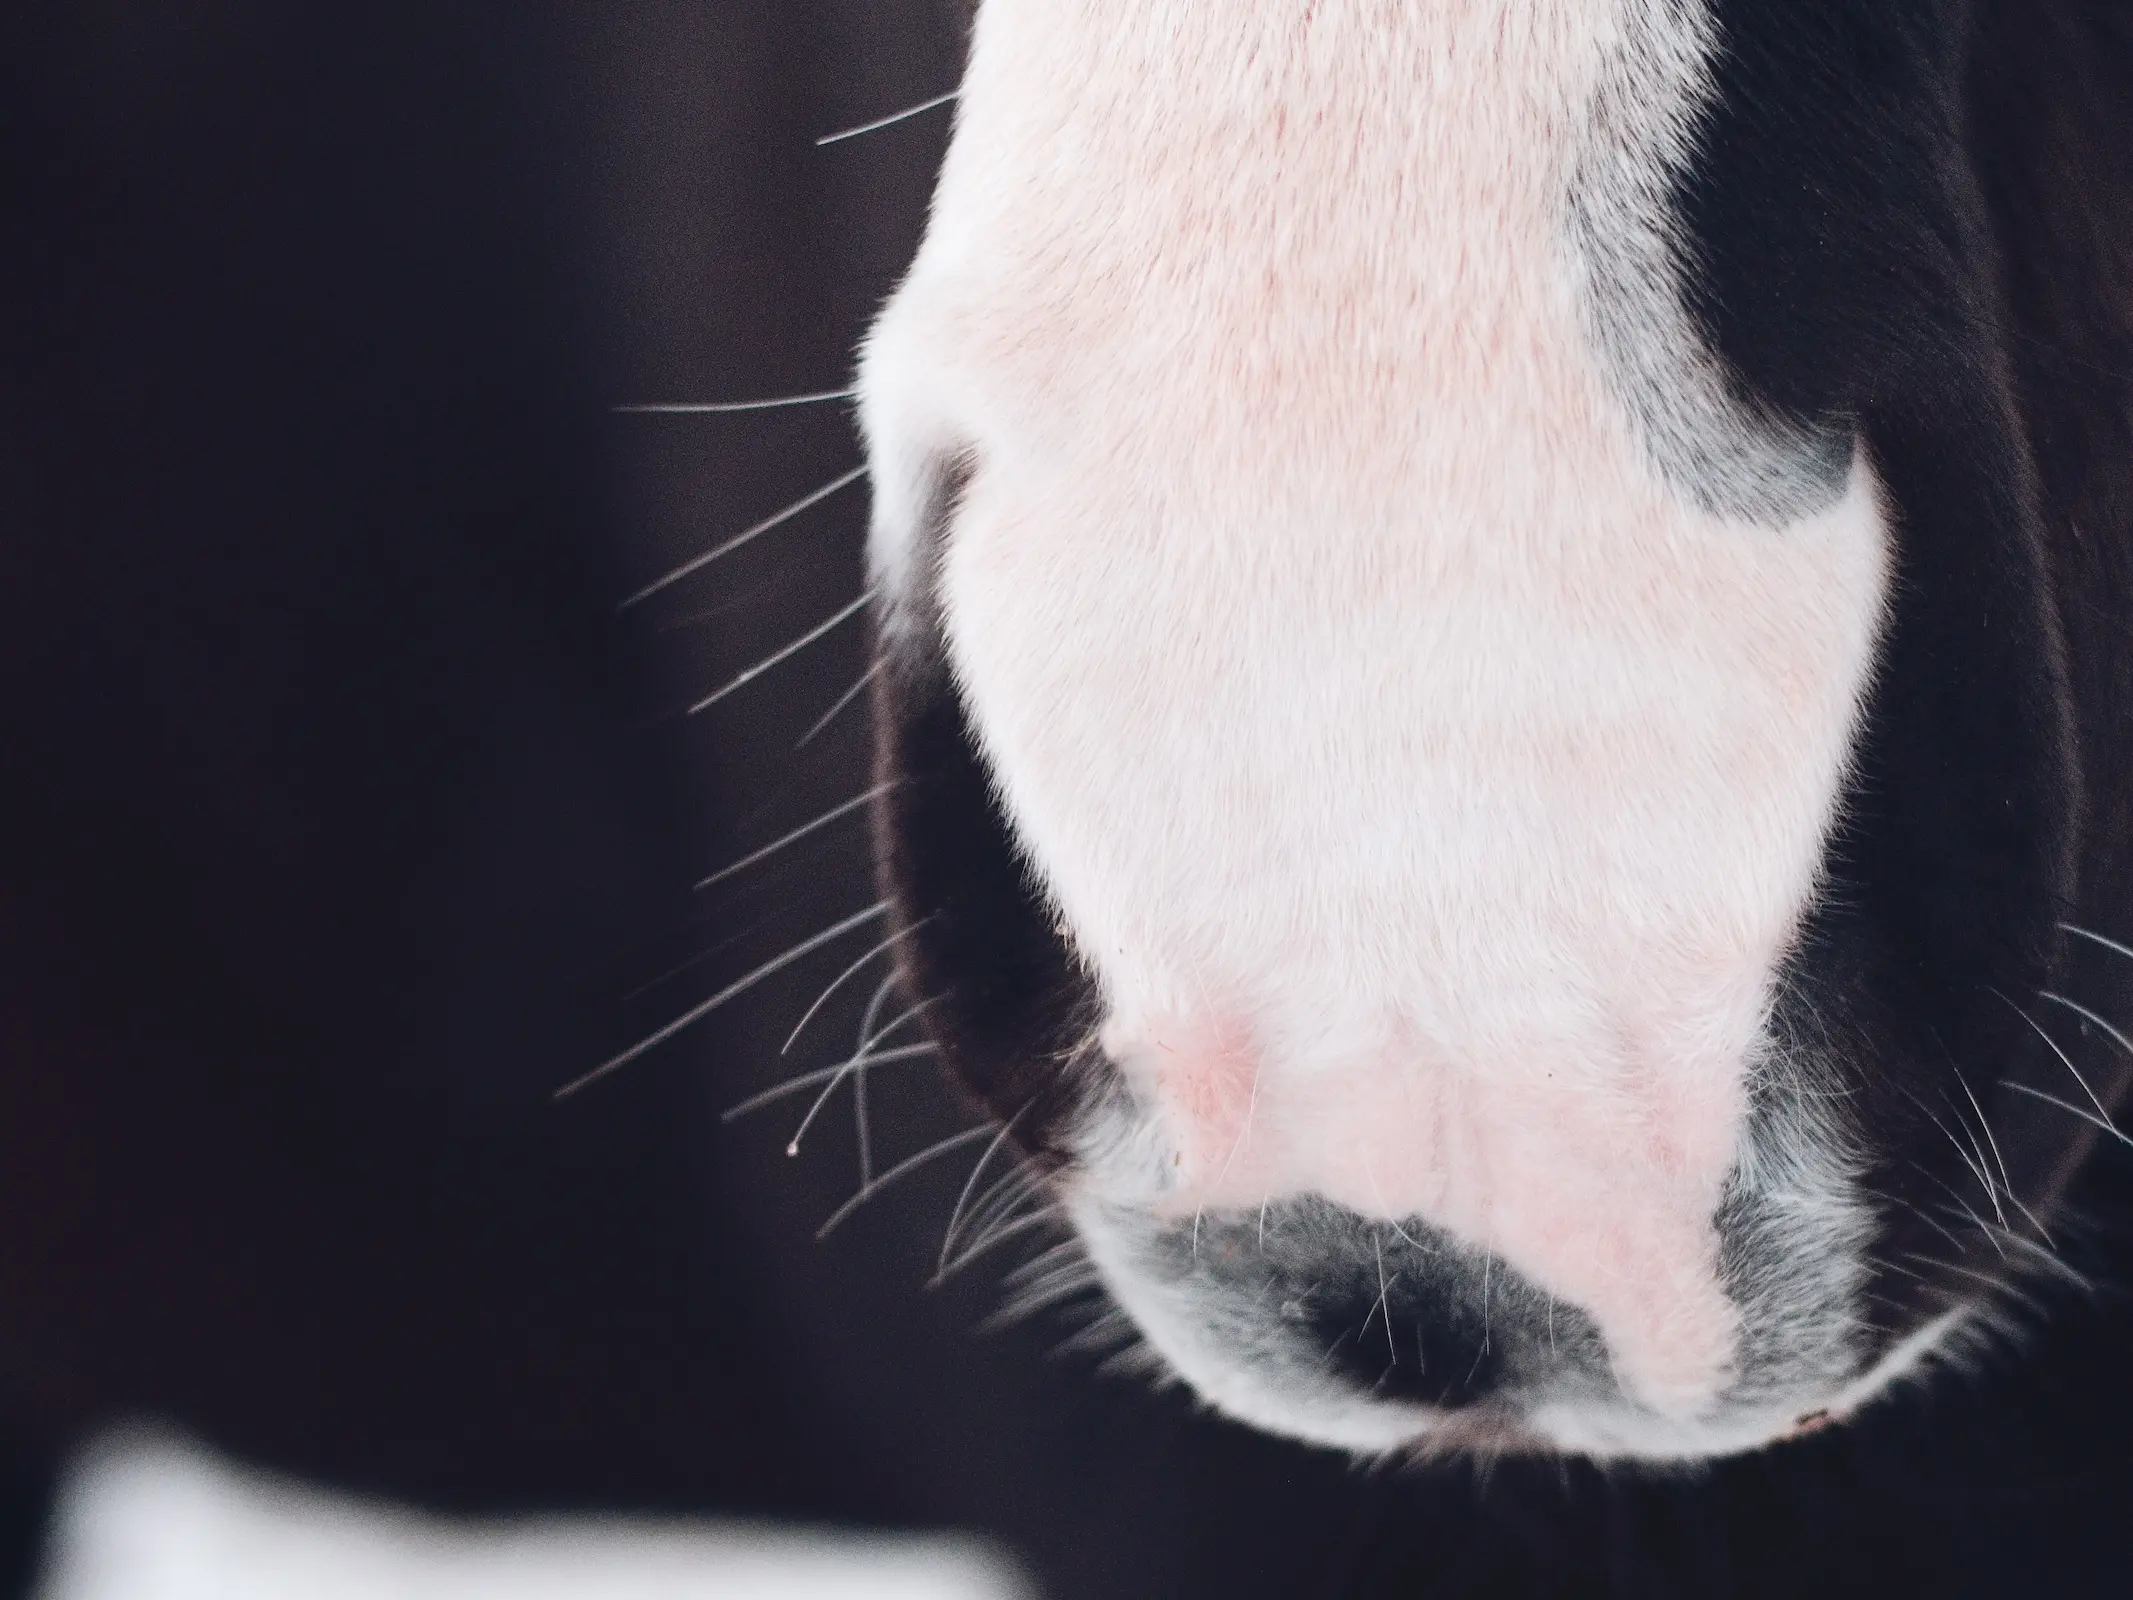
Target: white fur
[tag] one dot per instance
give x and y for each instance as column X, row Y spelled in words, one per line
column 1430, row 769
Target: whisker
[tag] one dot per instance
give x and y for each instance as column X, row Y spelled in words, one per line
column 840, row 981
column 862, row 1120
column 1021, row 1306
column 1050, row 1276
column 1989, row 1139
column 2073, row 1110
column 2097, row 938
column 727, row 408
column 1975, row 1164
column 866, row 1035
column 774, row 520
column 1984, row 1228
column 1069, row 1278
column 1064, row 1255
column 1112, row 1339
column 807, row 1080
column 856, row 1069
column 849, row 695
column 844, row 1069
column 2064, row 1060
column 793, row 649
column 2112, row 1033
column 888, row 1028
column 995, row 1237
column 2051, row 1260
column 908, row 1164
column 1996, row 1285
column 888, row 121
column 711, row 953
column 720, row 612
column 695, row 1014
column 1883, row 1264
column 1488, row 1260
column 1002, row 1197
column 1931, row 1221
column 955, row 1216
column 1377, row 1249
column 797, row 835
column 2034, row 1220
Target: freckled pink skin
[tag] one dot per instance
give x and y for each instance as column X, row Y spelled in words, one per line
column 1599, row 1185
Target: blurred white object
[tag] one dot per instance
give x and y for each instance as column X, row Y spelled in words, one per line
column 143, row 1517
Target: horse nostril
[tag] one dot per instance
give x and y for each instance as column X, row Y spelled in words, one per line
column 1399, row 1312
column 1441, row 1352
column 1411, row 1315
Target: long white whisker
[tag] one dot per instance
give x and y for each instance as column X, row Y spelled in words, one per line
column 2064, row 1059
column 955, row 1216
column 796, row 835
column 2090, row 1118
column 2097, row 938
column 880, row 998
column 775, row 519
column 696, row 960
column 1377, row 1249
column 1112, row 1337
column 843, row 978
column 741, row 986
column 808, row 1080
column 1927, row 1217
column 1883, row 1264
column 1020, row 1307
column 908, row 1164
column 793, row 649
column 862, row 1121
column 855, row 1066
column 1997, row 1285
column 1001, row 1199
column 992, row 1238
column 1065, row 1254
column 1976, row 1165
column 2050, row 1258
column 727, row 408
column 849, row 695
column 1003, row 1215
column 1984, row 1228
column 2110, row 1032
column 888, row 1028
column 1990, row 1140
column 1070, row 1277
column 1061, row 1263
column 888, row 121
column 851, row 1068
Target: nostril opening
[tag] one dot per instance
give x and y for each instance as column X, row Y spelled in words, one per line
column 1409, row 1314
column 1439, row 1353
column 1400, row 1312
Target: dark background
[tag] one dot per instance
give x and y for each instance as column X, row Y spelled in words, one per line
column 346, row 817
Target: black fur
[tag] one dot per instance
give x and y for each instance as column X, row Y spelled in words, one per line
column 1867, row 248
column 1005, row 998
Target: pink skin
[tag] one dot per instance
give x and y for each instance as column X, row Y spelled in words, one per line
column 1598, row 1180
